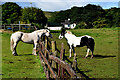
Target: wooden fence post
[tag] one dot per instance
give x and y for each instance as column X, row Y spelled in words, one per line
column 19, row 27
column 42, row 62
column 53, row 46
column 4, row 27
column 54, row 53
column 74, row 65
column 12, row 28
column 46, row 44
column 46, row 61
column 61, row 57
column 47, row 56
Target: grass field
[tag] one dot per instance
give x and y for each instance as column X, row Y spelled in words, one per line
column 103, row 65
column 105, row 61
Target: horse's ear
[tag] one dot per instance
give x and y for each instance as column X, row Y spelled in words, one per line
column 45, row 30
column 69, row 32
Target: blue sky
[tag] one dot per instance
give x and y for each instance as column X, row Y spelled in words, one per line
column 57, row 5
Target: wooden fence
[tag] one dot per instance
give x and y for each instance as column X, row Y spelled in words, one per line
column 55, row 67
column 16, row 27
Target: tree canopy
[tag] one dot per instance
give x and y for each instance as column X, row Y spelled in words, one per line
column 89, row 16
column 34, row 16
column 11, row 13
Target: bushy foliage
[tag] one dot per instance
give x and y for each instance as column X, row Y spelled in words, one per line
column 34, row 16
column 81, row 25
column 100, row 23
column 11, row 13
column 90, row 16
column 113, row 17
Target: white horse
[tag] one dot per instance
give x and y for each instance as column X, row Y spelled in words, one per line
column 31, row 38
column 74, row 41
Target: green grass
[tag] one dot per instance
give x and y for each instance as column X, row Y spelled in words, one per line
column 103, row 65
column 25, row 65
column 105, row 61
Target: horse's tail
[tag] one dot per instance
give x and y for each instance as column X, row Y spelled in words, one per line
column 11, row 43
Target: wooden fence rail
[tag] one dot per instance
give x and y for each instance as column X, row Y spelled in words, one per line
column 16, row 27
column 50, row 61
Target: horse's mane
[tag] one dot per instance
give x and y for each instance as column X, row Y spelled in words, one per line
column 69, row 32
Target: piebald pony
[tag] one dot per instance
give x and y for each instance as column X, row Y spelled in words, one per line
column 74, row 41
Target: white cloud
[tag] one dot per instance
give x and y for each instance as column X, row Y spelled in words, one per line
column 59, row 0
column 18, row 0
column 78, row 0
column 57, row 5
column 50, row 6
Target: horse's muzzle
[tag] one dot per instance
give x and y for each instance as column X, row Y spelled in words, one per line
column 50, row 36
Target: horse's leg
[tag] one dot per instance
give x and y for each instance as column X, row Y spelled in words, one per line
column 87, row 53
column 14, row 49
column 91, row 54
column 70, row 50
column 34, row 49
column 74, row 52
column 92, row 50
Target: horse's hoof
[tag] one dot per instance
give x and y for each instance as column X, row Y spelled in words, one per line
column 91, row 57
column 35, row 54
column 15, row 54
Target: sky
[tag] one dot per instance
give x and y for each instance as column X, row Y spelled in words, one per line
column 57, row 5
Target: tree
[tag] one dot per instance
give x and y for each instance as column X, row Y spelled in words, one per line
column 113, row 17
column 11, row 13
column 100, row 23
column 34, row 16
column 62, row 16
column 81, row 15
column 75, row 14
column 90, row 16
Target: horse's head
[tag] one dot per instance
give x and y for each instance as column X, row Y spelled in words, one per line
column 62, row 34
column 44, row 32
column 47, row 33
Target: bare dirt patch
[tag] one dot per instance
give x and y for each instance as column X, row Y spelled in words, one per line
column 2, row 30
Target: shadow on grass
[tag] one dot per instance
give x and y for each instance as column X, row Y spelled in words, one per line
column 82, row 73
column 78, row 70
column 24, row 54
column 103, row 56
column 65, row 58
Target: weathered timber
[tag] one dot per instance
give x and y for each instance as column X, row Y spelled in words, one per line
column 54, row 53
column 65, row 65
column 74, row 65
column 45, row 47
column 43, row 64
column 61, row 57
column 49, row 67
